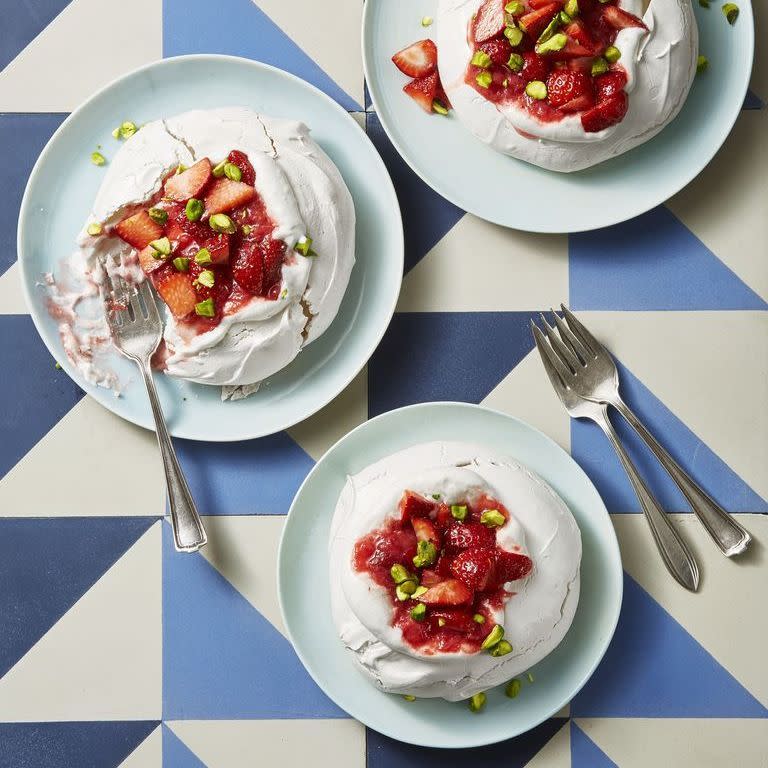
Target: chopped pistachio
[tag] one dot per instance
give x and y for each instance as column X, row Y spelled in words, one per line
column 515, row 62
column 194, row 209
column 399, row 573
column 704, row 3
column 304, row 246
column 218, row 170
column 502, row 648
column 612, row 54
column 477, row 702
column 284, row 293
column 220, row 222
column 481, row 59
column 599, row 66
column 478, row 618
column 162, row 246
column 458, row 511
column 701, row 63
column 441, row 621
column 181, row 263
column 232, row 172
column 484, row 78
column 731, row 12
column 246, row 229
column 206, row 278
column 514, row 35
column 492, row 517
column 97, row 158
column 205, row 308
column 408, row 697
column 158, row 215
column 426, row 21
column 605, row 1
column 116, row 133
column 555, row 43
column 505, row 82
column 420, row 590
column 513, row 688
column 94, row 229
column 549, row 30
column 203, row 256
column 426, row 554
column 536, row 89
column 180, row 168
column 571, row 7
column 405, row 590
column 565, row 18
column 493, row 637
column 127, row 129
column 530, row 677
column 514, row 8
column 439, row 107
column 436, row 496
column 57, row 366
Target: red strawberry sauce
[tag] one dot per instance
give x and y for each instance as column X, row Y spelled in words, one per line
column 466, row 579
column 567, row 72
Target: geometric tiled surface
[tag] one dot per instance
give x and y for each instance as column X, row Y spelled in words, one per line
column 115, row 651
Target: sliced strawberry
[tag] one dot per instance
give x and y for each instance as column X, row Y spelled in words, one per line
column 469, row 536
column 581, row 63
column 423, row 90
column 443, row 567
column 454, row 620
column 489, row 20
column 139, row 230
column 534, row 22
column 218, row 247
column 610, row 83
column 536, row 4
column 535, row 67
column 414, row 505
column 240, row 159
column 425, row 530
column 147, row 260
column 273, row 254
column 449, row 592
column 178, row 224
column 570, row 91
column 225, row 194
column 619, row 19
column 605, row 113
column 444, row 516
column 189, row 183
column 175, row 288
column 577, row 30
column 248, row 266
column 498, row 49
column 474, row 567
column 571, row 50
column 383, row 551
column 417, row 60
column 430, row 578
column 511, row 566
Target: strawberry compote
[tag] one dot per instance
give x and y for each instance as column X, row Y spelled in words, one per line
column 553, row 58
column 206, row 242
column 449, row 557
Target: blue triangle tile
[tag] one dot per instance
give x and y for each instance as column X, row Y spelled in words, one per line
column 252, row 477
column 595, row 455
column 22, row 137
column 66, row 745
column 753, row 101
column 176, row 754
column 445, row 356
column 46, row 565
column 655, row 668
column 29, row 20
column 36, row 396
column 383, row 752
column 585, row 753
column 652, row 262
column 427, row 216
column 221, row 658
column 187, row 26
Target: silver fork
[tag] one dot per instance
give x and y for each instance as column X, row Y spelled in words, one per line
column 137, row 328
column 596, row 378
column 676, row 555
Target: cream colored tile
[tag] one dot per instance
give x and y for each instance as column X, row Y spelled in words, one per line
column 149, row 754
column 480, row 266
column 556, row 753
column 11, row 296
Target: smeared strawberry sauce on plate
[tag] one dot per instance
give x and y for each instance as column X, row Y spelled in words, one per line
column 465, row 581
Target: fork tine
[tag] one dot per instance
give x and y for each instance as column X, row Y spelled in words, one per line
column 148, row 298
column 559, row 375
column 133, row 297
column 561, row 350
column 570, row 338
column 579, row 330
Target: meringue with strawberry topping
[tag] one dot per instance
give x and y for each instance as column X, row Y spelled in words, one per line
column 452, row 570
column 246, row 230
column 566, row 84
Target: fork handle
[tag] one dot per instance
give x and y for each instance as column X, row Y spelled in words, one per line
column 188, row 531
column 675, row 553
column 729, row 535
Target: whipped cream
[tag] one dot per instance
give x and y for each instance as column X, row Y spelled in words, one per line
column 535, row 618
column 304, row 194
column 660, row 66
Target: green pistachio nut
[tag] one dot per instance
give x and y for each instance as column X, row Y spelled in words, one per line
column 571, row 7
column 704, row 3
column 493, row 637
column 731, row 12
column 439, row 107
column 458, row 511
column 408, row 697
column 205, row 308
column 549, row 30
column 420, row 590
column 158, row 215
column 194, row 209
column 181, row 263
column 481, row 59
column 418, row 612
column 502, row 648
column 492, row 517
column 399, row 573
column 94, row 229
column 565, row 18
column 221, row 223
column 206, row 278
column 218, row 170
column 530, row 677
column 479, row 618
column 515, row 62
column 162, row 246
column 701, row 63
column 513, row 688
column 477, row 702
column 232, row 172
column 426, row 21
column 612, row 54
column 599, row 66
column 536, row 90
column 441, row 622
column 484, row 78
column 405, row 590
column 426, row 554
column 514, row 35
column 246, row 229
column 97, row 158
column 304, row 246
column 551, row 45
column 515, row 8
column 116, row 133
column 203, row 256
column 127, row 129
column 180, row 168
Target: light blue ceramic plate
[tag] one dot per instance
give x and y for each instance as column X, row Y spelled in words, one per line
column 515, row 194
column 63, row 184
column 305, row 600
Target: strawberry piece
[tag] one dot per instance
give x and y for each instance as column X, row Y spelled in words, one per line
column 581, row 64
column 218, row 247
column 536, row 4
column 443, row 567
column 175, row 289
column 147, row 260
column 139, row 230
column 534, row 22
column 449, row 592
column 610, row 83
column 178, row 226
column 240, row 159
column 535, row 67
column 248, row 266
column 474, row 567
column 273, row 253
column 605, row 113
column 425, row 530
column 619, row 19
column 511, row 566
column 414, row 505
column 498, row 49
column 572, row 50
column 430, row 578
column 182, row 186
column 469, row 536
column 577, row 31
column 489, row 20
column 417, row 60
column 423, row 90
column 570, row 91
column 383, row 551
column 444, row 516
column 225, row 194
column 453, row 620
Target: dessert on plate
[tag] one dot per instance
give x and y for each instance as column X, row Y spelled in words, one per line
column 245, row 228
column 452, row 570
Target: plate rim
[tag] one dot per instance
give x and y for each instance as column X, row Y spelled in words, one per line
column 27, row 280
column 613, row 542
column 684, row 180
